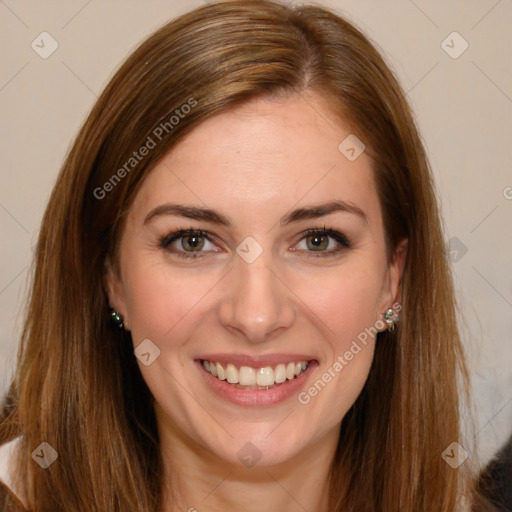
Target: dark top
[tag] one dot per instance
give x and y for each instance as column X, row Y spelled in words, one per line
column 495, row 482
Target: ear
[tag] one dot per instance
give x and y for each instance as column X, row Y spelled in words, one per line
column 115, row 291
column 391, row 286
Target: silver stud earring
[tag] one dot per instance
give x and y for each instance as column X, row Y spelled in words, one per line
column 117, row 319
column 391, row 319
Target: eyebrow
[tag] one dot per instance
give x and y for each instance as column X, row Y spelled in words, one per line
column 297, row 215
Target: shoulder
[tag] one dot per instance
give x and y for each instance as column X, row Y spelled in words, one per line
column 7, row 497
column 6, row 452
column 7, row 485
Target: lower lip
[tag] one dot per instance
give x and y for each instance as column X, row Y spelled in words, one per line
column 238, row 396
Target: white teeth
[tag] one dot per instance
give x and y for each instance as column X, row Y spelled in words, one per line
column 220, row 372
column 252, row 377
column 231, row 374
column 265, row 376
column 247, row 376
column 280, row 373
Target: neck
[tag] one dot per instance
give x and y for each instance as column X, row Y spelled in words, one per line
column 201, row 481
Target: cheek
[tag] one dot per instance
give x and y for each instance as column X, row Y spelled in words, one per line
column 159, row 298
column 344, row 303
column 345, row 300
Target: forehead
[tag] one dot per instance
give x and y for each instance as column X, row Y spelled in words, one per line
column 264, row 153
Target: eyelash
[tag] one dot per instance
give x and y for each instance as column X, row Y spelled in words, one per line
column 166, row 240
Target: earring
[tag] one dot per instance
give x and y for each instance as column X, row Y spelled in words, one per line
column 391, row 319
column 116, row 318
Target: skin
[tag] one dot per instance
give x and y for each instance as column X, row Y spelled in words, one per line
column 254, row 165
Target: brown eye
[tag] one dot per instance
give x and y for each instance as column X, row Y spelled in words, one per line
column 324, row 242
column 192, row 242
column 317, row 242
column 187, row 243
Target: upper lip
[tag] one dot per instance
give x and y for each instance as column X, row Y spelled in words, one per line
column 256, row 361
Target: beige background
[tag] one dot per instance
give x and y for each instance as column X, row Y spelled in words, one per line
column 463, row 106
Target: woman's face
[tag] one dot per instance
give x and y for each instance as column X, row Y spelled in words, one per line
column 254, row 294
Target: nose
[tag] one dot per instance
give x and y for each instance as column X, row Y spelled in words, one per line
column 257, row 304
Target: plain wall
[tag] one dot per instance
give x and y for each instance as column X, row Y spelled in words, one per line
column 463, row 107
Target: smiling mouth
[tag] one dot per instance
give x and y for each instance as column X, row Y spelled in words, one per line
column 263, row 378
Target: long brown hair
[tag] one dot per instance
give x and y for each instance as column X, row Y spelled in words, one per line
column 77, row 385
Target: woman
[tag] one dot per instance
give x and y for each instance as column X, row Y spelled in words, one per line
column 250, row 203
